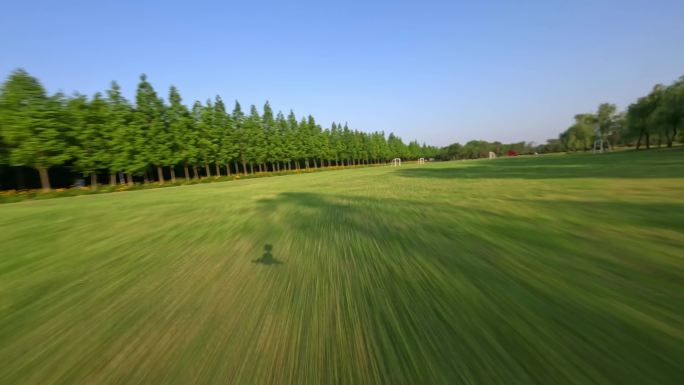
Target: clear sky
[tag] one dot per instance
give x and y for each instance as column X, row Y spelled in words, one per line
column 436, row 71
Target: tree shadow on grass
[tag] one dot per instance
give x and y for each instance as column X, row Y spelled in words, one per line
column 628, row 164
column 267, row 258
column 516, row 274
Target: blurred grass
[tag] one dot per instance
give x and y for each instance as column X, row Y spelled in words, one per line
column 563, row 269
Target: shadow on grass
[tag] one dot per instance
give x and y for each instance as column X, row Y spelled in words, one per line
column 663, row 163
column 267, row 258
column 548, row 268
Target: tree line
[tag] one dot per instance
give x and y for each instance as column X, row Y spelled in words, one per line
column 654, row 119
column 153, row 138
column 481, row 148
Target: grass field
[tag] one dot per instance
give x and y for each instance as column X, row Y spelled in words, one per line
column 561, row 269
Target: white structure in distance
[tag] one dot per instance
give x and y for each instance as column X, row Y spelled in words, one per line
column 396, row 162
column 421, row 160
column 492, row 155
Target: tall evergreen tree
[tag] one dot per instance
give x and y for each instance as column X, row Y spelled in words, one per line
column 182, row 138
column 222, row 136
column 33, row 125
column 120, row 135
column 273, row 138
column 196, row 114
column 207, row 146
column 89, row 124
column 151, row 131
column 293, row 142
column 254, row 137
column 281, row 151
column 240, row 136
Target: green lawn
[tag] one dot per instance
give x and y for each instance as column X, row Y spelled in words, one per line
column 561, row 269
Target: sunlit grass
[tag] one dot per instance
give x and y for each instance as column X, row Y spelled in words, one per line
column 537, row 270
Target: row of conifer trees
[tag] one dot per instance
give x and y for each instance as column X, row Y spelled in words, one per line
column 107, row 134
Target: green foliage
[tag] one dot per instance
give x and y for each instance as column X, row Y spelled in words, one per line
column 109, row 133
column 253, row 131
column 183, row 137
column 150, row 126
column 34, row 126
column 224, row 134
column 657, row 118
column 89, row 125
column 668, row 116
column 120, row 134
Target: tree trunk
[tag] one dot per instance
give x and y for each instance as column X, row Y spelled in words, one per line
column 228, row 169
column 129, row 178
column 237, row 170
column 314, row 162
column 196, row 171
column 648, row 141
column 187, row 172
column 260, row 170
column 244, row 167
column 251, row 167
column 93, row 180
column 218, row 170
column 670, row 140
column 206, row 168
column 160, row 174
column 112, row 178
column 44, row 178
column 173, row 174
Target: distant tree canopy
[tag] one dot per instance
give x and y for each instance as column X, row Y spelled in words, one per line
column 107, row 134
column 655, row 119
column 481, row 149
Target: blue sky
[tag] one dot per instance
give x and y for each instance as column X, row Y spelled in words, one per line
column 436, row 71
